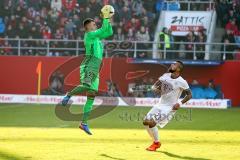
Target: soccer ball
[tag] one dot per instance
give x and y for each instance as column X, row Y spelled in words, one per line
column 111, row 9
column 108, row 10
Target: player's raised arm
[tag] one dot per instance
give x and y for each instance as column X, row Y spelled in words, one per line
column 106, row 30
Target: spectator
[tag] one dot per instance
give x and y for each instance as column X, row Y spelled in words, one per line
column 227, row 50
column 210, row 92
column 23, row 31
column 200, row 48
column 46, row 33
column 7, row 50
column 164, row 42
column 222, row 8
column 58, row 34
column 56, row 4
column 53, row 51
column 231, row 26
column 35, row 33
column 76, row 20
column 41, row 44
column 69, row 26
column 137, row 8
column 189, row 46
column 197, row 90
column 119, row 36
column 131, row 35
column 56, row 86
column 95, row 7
column 27, row 47
column 142, row 36
column 13, row 22
column 6, row 11
column 10, row 33
column 228, row 35
column 228, row 46
column 38, row 21
column 19, row 12
column 133, row 24
column 25, row 22
column 54, row 14
column 125, row 14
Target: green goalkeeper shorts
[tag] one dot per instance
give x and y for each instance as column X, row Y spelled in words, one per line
column 90, row 78
column 89, row 72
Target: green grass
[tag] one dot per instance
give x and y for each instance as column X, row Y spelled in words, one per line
column 22, row 115
column 33, row 132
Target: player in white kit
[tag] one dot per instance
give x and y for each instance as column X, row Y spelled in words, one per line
column 170, row 86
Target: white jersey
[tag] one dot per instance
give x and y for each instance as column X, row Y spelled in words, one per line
column 171, row 89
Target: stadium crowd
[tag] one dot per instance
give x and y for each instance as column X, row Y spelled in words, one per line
column 134, row 20
column 62, row 19
column 185, row 47
column 229, row 18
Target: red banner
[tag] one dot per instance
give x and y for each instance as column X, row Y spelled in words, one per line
column 180, row 28
column 18, row 74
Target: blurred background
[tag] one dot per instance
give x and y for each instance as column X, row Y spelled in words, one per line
column 148, row 34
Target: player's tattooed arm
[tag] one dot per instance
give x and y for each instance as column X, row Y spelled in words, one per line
column 157, row 87
column 188, row 95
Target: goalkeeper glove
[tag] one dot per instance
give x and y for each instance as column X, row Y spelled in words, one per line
column 107, row 11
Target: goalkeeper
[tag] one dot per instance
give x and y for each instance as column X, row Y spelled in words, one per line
column 89, row 69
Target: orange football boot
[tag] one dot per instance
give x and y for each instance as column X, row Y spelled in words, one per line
column 154, row 146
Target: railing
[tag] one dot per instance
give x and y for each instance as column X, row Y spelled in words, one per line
column 190, row 5
column 136, row 49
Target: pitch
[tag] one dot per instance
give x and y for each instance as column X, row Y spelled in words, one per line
column 34, row 132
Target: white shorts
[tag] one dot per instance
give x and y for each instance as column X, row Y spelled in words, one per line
column 161, row 115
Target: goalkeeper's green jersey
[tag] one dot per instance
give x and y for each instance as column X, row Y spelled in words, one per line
column 94, row 46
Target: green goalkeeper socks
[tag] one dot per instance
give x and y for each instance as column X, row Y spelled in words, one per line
column 89, row 103
column 87, row 109
column 77, row 90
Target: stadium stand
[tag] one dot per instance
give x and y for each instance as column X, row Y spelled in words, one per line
column 48, row 19
column 134, row 23
column 229, row 18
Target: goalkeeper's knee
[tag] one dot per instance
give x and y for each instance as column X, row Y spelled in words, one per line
column 91, row 94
